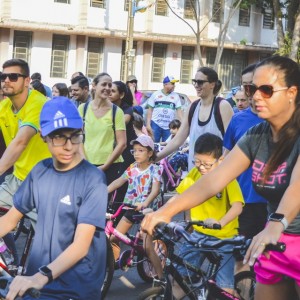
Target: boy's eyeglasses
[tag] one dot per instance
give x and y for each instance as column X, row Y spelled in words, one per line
column 13, row 77
column 265, row 90
column 206, row 165
column 241, row 100
column 133, row 151
column 61, row 139
column 198, row 82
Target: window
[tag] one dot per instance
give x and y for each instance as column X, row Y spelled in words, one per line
column 158, row 62
column 63, row 1
column 94, row 56
column 161, row 8
column 268, row 19
column 216, row 11
column 22, row 45
column 189, row 9
column 244, row 17
column 98, row 3
column 123, row 59
column 60, row 47
column 187, row 59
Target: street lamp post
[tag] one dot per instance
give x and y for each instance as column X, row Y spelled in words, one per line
column 129, row 51
column 134, row 6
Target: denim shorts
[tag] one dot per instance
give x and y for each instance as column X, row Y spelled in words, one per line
column 273, row 269
column 193, row 255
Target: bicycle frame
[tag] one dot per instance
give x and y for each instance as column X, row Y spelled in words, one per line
column 173, row 178
column 132, row 241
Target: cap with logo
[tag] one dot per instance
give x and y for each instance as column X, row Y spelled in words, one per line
column 59, row 113
column 144, row 140
column 169, row 79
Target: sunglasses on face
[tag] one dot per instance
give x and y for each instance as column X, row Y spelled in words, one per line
column 265, row 90
column 198, row 82
column 13, row 77
column 133, row 81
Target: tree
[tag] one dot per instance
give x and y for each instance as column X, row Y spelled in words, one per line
column 233, row 5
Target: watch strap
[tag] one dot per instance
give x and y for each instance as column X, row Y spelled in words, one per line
column 283, row 221
column 44, row 270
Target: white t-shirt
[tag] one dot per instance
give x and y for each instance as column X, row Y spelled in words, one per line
column 164, row 107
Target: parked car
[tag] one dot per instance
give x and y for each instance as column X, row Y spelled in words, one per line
column 185, row 101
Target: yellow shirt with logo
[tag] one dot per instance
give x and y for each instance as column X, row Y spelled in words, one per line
column 99, row 134
column 215, row 207
column 10, row 123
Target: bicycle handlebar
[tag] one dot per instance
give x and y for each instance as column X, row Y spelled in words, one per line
column 5, row 281
column 239, row 242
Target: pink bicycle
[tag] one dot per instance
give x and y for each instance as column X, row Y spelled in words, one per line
column 136, row 256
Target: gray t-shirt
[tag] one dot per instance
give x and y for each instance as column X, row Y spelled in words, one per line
column 257, row 144
column 63, row 200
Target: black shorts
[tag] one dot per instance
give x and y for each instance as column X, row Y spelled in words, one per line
column 133, row 216
column 253, row 219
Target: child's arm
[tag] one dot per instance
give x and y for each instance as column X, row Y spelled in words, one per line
column 234, row 211
column 116, row 184
column 154, row 193
column 68, row 258
column 9, row 221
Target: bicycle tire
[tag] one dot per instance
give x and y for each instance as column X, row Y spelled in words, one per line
column 145, row 268
column 244, row 284
column 153, row 293
column 110, row 268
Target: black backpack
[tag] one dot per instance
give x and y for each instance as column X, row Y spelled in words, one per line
column 217, row 113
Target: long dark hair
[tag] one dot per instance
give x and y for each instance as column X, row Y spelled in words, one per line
column 123, row 88
column 290, row 131
column 212, row 76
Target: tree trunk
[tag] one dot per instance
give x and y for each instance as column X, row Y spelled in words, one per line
column 296, row 37
column 279, row 27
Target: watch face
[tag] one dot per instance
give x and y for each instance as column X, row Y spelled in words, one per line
column 45, row 270
column 276, row 216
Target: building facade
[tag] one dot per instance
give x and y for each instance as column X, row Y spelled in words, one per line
column 60, row 37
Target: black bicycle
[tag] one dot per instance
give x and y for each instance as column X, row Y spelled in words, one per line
column 205, row 287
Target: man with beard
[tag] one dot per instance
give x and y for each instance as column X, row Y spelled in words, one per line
column 80, row 90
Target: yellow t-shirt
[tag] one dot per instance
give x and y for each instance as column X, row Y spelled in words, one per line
column 215, row 207
column 99, row 134
column 28, row 115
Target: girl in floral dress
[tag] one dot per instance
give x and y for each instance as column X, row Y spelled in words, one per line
column 143, row 177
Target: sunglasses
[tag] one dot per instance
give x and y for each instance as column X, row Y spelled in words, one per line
column 198, row 82
column 13, row 77
column 133, row 81
column 265, row 90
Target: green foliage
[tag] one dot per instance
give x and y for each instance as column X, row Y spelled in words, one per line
column 286, row 49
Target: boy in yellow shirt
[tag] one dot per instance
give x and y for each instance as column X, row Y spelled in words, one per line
column 222, row 209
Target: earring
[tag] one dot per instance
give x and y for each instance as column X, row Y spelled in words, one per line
column 290, row 101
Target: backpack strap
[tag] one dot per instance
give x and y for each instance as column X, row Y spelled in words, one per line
column 86, row 104
column 192, row 110
column 217, row 114
column 114, row 111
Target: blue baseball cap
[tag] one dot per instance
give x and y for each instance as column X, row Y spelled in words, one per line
column 58, row 113
column 170, row 79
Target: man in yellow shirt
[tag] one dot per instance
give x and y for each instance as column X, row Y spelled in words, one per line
column 222, row 209
column 19, row 123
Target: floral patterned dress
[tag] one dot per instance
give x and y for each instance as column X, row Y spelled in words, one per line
column 140, row 184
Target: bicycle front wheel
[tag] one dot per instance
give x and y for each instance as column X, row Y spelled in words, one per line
column 145, row 268
column 153, row 293
column 245, row 284
column 109, row 270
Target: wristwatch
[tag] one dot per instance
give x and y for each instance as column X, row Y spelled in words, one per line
column 275, row 217
column 46, row 272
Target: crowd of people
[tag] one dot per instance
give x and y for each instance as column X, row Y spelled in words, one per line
column 73, row 151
